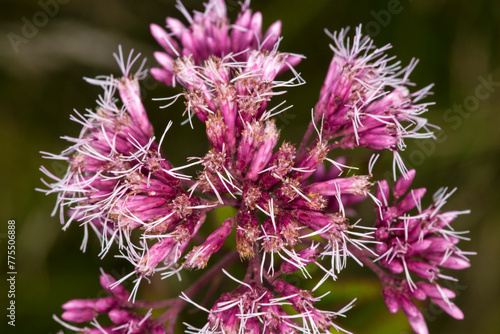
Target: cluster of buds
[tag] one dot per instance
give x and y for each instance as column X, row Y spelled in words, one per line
column 210, row 34
column 291, row 210
column 421, row 244
column 118, row 309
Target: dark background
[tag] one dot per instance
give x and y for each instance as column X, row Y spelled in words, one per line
column 457, row 43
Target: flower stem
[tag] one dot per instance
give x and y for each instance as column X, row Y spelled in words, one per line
column 305, row 140
column 178, row 304
column 144, row 304
column 364, row 256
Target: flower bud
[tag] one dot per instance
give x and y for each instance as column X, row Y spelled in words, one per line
column 79, row 315
column 199, row 256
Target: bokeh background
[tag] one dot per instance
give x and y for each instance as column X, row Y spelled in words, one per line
column 457, row 42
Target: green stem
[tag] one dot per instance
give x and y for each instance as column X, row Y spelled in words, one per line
column 178, row 304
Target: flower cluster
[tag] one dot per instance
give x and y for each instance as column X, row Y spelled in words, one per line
column 422, row 244
column 251, row 307
column 210, row 34
column 292, row 210
column 118, row 180
column 365, row 100
column 116, row 306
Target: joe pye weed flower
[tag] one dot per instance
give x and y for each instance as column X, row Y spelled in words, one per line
column 294, row 205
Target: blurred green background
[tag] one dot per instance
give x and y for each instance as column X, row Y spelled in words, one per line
column 457, row 43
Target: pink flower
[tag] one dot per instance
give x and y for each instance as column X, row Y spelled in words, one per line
column 210, row 34
column 365, row 99
column 423, row 245
column 288, row 209
column 116, row 307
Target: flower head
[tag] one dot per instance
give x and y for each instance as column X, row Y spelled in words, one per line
column 365, row 99
column 118, row 181
column 420, row 245
column 256, row 309
column 210, row 34
column 116, row 307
